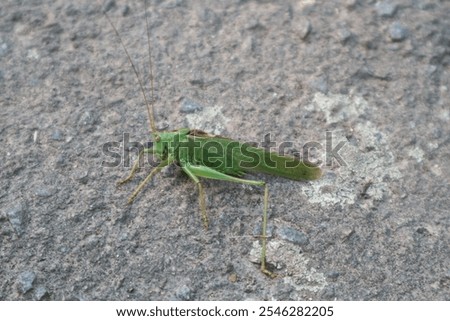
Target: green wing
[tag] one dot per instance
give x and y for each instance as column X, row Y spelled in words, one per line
column 235, row 158
column 284, row 166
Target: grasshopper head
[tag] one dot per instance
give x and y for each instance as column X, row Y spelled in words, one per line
column 165, row 144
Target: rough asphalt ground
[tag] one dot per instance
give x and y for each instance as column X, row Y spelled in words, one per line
column 375, row 74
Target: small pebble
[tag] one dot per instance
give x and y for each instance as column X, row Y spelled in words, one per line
column 291, row 235
column 60, row 161
column 386, row 9
column 35, row 136
column 26, row 280
column 423, row 231
column 3, row 49
column 184, row 293
column 57, row 135
column 232, row 277
column 109, row 5
column 344, row 35
column 397, row 32
column 304, row 29
column 81, row 176
column 320, row 84
column 43, row 192
column 125, row 10
column 346, row 232
column 333, row 275
column 189, row 106
column 40, row 292
column 351, row 4
column 87, row 121
column 16, row 216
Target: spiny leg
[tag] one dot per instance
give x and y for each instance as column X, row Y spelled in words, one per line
column 201, row 196
column 202, row 202
column 195, row 171
column 264, row 234
column 155, row 170
column 135, row 166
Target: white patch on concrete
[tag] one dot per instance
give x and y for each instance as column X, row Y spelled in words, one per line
column 304, row 3
column 210, row 120
column 33, row 54
column 417, row 153
column 436, row 170
column 445, row 115
column 368, row 156
column 296, row 271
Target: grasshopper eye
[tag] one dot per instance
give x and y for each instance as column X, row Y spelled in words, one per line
column 157, row 138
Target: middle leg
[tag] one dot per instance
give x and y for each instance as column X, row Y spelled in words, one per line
column 195, row 171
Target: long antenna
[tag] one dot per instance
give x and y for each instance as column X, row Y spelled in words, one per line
column 149, row 105
column 149, row 53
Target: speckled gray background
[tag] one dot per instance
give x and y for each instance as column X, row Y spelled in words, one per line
column 375, row 74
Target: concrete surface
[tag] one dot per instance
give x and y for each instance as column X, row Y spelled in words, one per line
column 375, row 74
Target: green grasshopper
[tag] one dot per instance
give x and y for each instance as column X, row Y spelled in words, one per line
column 201, row 155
